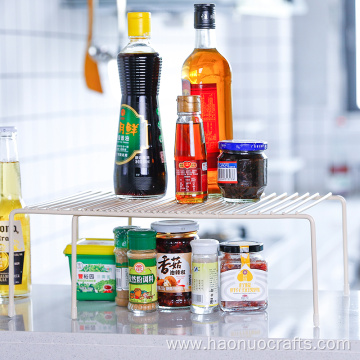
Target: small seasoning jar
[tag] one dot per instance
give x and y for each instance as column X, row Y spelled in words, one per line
column 204, row 275
column 243, row 276
column 174, row 261
column 142, row 271
column 242, row 170
column 122, row 269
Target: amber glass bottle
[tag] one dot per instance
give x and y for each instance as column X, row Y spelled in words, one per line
column 207, row 73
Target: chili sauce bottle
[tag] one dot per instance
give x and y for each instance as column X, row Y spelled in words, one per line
column 190, row 152
column 140, row 167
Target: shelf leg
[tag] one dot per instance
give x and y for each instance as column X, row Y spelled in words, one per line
column 75, row 236
column 129, row 220
column 11, row 309
column 345, row 246
column 314, row 272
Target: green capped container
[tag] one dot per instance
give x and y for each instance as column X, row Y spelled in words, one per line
column 96, row 279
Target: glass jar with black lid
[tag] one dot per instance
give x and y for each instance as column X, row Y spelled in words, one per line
column 242, row 170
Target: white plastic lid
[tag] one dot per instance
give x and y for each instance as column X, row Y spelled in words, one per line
column 7, row 130
column 204, row 246
column 174, row 226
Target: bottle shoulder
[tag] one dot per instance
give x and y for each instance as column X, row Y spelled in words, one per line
column 201, row 57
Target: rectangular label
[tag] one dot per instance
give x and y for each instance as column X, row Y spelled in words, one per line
column 227, row 172
column 191, row 176
column 205, row 284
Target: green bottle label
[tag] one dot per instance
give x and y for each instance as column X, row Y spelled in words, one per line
column 142, row 281
column 132, row 135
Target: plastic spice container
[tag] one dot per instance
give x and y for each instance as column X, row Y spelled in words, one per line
column 204, row 273
column 242, row 170
column 142, row 271
column 243, row 276
column 95, row 269
column 122, row 267
column 174, row 261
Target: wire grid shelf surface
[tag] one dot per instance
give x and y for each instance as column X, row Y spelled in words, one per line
column 102, row 203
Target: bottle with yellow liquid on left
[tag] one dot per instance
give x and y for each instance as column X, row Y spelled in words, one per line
column 10, row 199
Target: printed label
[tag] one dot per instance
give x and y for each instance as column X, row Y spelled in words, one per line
column 244, row 284
column 191, row 177
column 142, row 281
column 210, row 117
column 173, row 272
column 205, row 284
column 132, row 136
column 122, row 276
column 19, row 252
column 227, row 172
column 96, row 278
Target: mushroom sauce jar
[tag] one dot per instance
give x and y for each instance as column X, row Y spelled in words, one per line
column 173, row 261
column 243, row 276
column 242, row 170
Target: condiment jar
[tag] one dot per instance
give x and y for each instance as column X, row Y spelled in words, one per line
column 142, row 271
column 174, row 261
column 204, row 275
column 242, row 170
column 122, row 268
column 243, row 276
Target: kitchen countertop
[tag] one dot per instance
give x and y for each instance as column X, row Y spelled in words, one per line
column 45, row 317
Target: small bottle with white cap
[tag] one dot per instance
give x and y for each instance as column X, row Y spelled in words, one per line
column 204, row 271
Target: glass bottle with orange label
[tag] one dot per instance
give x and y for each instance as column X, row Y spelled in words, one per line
column 190, row 153
column 207, row 73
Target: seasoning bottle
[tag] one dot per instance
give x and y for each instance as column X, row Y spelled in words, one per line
column 122, row 266
column 190, row 152
column 204, row 274
column 174, row 261
column 10, row 199
column 243, row 276
column 142, row 271
column 140, row 168
column 207, row 73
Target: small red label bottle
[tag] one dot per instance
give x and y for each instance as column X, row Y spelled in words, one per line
column 190, row 152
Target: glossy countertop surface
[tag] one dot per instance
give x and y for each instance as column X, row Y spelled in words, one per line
column 289, row 315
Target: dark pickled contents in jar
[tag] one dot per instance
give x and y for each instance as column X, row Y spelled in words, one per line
column 251, row 175
column 145, row 173
column 228, row 264
column 174, row 246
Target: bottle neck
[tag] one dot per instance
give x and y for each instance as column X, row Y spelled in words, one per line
column 205, row 39
column 8, row 148
column 138, row 44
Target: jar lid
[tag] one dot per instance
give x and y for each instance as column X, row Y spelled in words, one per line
column 243, row 145
column 142, row 239
column 241, row 246
column 175, row 226
column 204, row 246
column 121, row 235
column 7, row 130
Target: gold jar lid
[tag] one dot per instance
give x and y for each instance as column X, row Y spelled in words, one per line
column 188, row 103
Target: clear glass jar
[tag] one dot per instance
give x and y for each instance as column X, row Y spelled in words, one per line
column 242, row 170
column 204, row 275
column 243, row 276
column 174, row 262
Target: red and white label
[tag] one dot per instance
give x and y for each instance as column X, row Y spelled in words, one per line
column 191, row 176
column 139, row 267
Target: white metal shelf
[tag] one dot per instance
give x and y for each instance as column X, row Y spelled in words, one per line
column 106, row 204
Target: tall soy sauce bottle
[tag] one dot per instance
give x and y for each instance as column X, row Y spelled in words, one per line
column 140, row 167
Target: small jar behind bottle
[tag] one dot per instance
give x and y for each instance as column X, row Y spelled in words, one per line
column 204, row 274
column 122, row 267
column 142, row 271
column 243, row 276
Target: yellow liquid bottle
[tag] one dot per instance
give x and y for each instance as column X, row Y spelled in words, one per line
column 10, row 199
column 207, row 73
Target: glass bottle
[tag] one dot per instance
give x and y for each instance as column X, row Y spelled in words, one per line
column 207, row 73
column 190, row 152
column 140, row 167
column 204, row 275
column 10, row 199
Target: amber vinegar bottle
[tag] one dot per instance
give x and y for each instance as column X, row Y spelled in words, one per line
column 190, row 152
column 207, row 73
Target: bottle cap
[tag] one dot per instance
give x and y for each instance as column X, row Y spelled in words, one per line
column 243, row 145
column 175, row 226
column 237, row 247
column 139, row 23
column 188, row 103
column 121, row 236
column 142, row 239
column 204, row 16
column 204, row 246
column 7, row 130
